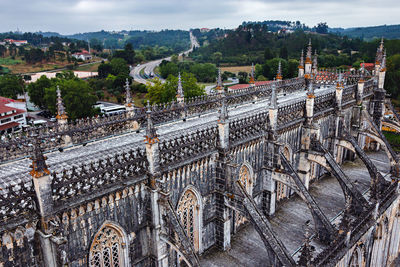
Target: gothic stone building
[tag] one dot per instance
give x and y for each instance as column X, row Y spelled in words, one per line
column 179, row 184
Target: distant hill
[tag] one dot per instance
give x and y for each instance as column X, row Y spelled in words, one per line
column 369, row 33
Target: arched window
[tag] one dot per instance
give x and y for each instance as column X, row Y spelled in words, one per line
column 357, row 258
column 245, row 179
column 108, row 248
column 282, row 189
column 188, row 211
column 247, row 182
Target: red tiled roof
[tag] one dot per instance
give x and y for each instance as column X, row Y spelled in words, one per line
column 5, row 109
column 8, row 125
column 245, row 85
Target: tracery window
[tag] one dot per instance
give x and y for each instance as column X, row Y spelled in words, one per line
column 107, row 248
column 357, row 258
column 188, row 211
column 281, row 188
column 245, row 180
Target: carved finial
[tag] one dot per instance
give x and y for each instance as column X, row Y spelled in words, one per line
column 309, row 53
column 339, row 83
column 180, row 88
column 151, row 133
column 252, row 78
column 39, row 166
column 306, row 251
column 128, row 94
column 301, row 65
column 362, row 73
column 219, row 81
column 383, row 65
column 223, row 112
column 310, row 91
column 61, row 113
column 315, row 60
column 274, row 102
column 279, row 72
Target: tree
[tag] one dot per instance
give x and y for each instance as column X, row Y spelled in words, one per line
column 283, row 53
column 268, row 54
column 217, row 56
column 164, row 93
column 104, row 69
column 77, row 96
column 322, row 28
column 36, row 91
column 168, row 68
column 119, row 66
column 11, row 86
column 242, row 77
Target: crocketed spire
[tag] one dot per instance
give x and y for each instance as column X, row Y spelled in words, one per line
column 252, row 79
column 128, row 101
column 179, row 91
column 151, row 133
column 301, row 65
column 39, row 166
column 315, row 60
column 219, row 80
column 309, row 53
column 61, row 113
column 279, row 72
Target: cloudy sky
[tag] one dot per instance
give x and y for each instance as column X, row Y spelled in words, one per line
column 72, row 16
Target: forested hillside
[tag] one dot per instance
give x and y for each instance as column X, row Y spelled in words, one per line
column 369, row 33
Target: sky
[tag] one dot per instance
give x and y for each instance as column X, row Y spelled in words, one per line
column 73, row 16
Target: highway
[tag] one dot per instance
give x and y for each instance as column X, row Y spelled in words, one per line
column 149, row 67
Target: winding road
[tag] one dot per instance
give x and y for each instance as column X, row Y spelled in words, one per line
column 148, row 67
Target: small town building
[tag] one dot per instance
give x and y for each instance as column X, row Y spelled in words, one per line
column 12, row 115
column 84, row 55
column 16, row 42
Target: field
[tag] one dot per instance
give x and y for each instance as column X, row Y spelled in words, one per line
column 236, row 69
column 17, row 66
column 91, row 67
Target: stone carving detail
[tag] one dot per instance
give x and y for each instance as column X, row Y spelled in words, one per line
column 106, row 249
column 245, row 128
column 349, row 94
column 90, row 177
column 188, row 146
column 17, row 201
column 324, row 102
column 291, row 112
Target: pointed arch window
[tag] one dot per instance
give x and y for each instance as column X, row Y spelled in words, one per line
column 108, row 248
column 246, row 181
column 188, row 212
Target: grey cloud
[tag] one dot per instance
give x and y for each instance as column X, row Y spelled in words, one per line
column 70, row 16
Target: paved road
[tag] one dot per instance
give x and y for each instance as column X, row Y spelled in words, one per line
column 148, row 68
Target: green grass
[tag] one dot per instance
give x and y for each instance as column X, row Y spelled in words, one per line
column 91, row 67
column 393, row 139
column 10, row 61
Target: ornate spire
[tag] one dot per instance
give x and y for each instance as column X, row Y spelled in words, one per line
column 279, row 72
column 128, row 101
column 219, row 81
column 310, row 91
column 39, row 166
column 309, row 53
column 339, row 83
column 301, row 65
column 315, row 60
column 61, row 113
column 180, row 88
column 151, row 133
column 306, row 252
column 362, row 73
column 383, row 64
column 274, row 102
column 379, row 53
column 252, row 79
column 223, row 112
